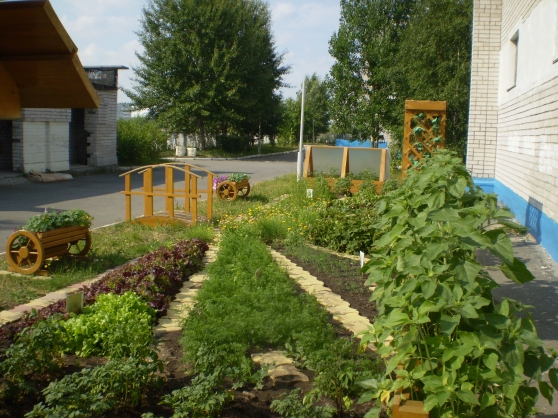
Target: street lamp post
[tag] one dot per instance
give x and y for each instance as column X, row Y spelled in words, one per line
column 300, row 158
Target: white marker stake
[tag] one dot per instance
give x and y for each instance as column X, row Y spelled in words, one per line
column 361, row 259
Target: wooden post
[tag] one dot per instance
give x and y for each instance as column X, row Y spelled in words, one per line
column 383, row 166
column 128, row 196
column 148, row 189
column 308, row 164
column 345, row 164
column 187, row 189
column 169, row 183
column 194, row 197
column 209, row 196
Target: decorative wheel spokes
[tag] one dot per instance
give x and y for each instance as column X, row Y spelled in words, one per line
column 227, row 190
column 24, row 252
column 80, row 247
column 244, row 192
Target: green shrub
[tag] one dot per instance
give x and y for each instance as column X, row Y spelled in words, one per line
column 346, row 225
column 233, row 143
column 114, row 326
column 205, row 397
column 94, row 392
column 36, row 353
column 292, row 406
column 342, row 187
column 140, row 141
column 462, row 353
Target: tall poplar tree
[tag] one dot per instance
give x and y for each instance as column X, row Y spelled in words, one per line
column 207, row 63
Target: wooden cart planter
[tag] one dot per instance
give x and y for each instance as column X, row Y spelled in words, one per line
column 230, row 190
column 27, row 251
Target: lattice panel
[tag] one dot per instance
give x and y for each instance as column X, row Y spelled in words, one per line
column 425, row 128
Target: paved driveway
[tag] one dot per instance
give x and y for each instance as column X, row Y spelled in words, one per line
column 100, row 194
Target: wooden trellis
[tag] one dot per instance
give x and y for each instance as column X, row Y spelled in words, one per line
column 425, row 129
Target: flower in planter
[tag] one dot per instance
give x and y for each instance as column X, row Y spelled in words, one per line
column 218, row 180
column 51, row 219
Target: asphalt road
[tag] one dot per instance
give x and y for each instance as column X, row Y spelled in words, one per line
column 100, row 195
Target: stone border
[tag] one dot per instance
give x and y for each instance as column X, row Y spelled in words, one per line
column 184, row 300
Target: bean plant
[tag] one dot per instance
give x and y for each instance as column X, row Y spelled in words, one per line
column 462, row 353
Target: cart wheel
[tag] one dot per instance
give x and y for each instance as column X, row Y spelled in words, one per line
column 80, row 247
column 24, row 252
column 245, row 191
column 226, row 190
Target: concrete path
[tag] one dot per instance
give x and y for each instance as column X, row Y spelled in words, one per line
column 100, row 194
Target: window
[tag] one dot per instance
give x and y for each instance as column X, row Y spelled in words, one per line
column 514, row 50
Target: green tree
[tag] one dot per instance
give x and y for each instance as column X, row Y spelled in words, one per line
column 388, row 51
column 434, row 63
column 365, row 51
column 316, row 111
column 207, row 64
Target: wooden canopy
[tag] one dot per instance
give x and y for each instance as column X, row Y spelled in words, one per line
column 39, row 66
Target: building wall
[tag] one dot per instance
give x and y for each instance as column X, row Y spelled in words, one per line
column 41, row 140
column 483, row 112
column 525, row 169
column 101, row 125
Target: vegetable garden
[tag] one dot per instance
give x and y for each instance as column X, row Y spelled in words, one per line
column 438, row 336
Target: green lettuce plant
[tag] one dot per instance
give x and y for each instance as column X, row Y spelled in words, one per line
column 462, row 353
column 52, row 219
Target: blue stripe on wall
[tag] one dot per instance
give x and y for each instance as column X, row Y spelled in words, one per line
column 528, row 213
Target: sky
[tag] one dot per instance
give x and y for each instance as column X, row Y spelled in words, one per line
column 104, row 32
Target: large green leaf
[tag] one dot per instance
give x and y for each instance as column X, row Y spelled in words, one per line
column 553, row 375
column 546, row 391
column 435, row 249
column 444, row 215
column 517, row 271
column 387, row 238
column 430, row 402
column 395, row 318
column 488, row 399
column 467, row 396
column 448, row 323
column 501, row 245
column 428, row 288
column 457, row 187
column 467, row 271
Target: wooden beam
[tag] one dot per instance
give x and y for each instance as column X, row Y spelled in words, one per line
column 10, row 100
column 424, row 105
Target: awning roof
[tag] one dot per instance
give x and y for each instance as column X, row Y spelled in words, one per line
column 39, row 66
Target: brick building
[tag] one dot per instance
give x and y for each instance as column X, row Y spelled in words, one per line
column 55, row 139
column 513, row 122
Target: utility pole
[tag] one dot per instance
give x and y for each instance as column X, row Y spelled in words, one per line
column 300, row 158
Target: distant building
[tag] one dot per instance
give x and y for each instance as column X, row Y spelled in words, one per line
column 513, row 122
column 123, row 111
column 55, row 139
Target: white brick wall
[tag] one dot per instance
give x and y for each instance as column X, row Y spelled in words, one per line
column 57, row 146
column 101, row 124
column 513, row 134
column 483, row 112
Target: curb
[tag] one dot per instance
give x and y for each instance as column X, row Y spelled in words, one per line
column 180, row 159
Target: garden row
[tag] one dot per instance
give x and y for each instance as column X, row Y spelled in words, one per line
column 116, row 326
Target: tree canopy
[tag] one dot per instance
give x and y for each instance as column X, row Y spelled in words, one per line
column 208, row 64
column 388, row 51
column 316, row 111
